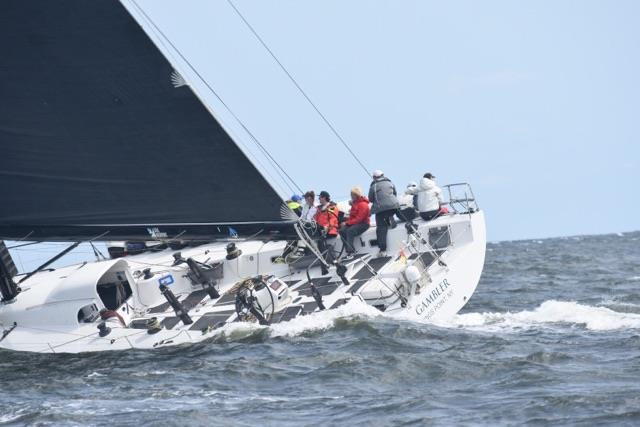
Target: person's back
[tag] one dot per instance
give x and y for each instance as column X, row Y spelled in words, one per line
column 408, row 203
column 382, row 195
column 429, row 197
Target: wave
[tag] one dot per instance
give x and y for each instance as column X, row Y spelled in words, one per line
column 323, row 320
column 550, row 313
column 13, row 416
column 313, row 322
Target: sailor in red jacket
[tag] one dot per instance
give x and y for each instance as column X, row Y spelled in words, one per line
column 326, row 218
column 358, row 221
column 327, row 215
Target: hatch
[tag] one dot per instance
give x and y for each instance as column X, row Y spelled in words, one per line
column 114, row 288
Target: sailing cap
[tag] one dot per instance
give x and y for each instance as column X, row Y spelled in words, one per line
column 296, row 198
column 429, row 175
column 377, row 173
column 325, row 195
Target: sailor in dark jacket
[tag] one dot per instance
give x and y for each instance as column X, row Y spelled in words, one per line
column 382, row 194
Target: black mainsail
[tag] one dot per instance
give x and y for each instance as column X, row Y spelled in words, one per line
column 95, row 139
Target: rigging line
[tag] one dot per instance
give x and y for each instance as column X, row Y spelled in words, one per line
column 50, row 261
column 23, row 244
column 25, row 237
column 20, row 262
column 99, row 255
column 293, row 80
column 253, row 137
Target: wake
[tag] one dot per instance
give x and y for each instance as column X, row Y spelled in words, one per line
column 548, row 314
column 313, row 322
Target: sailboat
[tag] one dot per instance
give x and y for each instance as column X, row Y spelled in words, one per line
column 104, row 139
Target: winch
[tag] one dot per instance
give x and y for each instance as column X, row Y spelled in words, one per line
column 261, row 297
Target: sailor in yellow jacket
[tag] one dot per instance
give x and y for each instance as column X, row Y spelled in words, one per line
column 294, row 204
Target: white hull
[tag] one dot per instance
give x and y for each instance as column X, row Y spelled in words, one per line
column 45, row 316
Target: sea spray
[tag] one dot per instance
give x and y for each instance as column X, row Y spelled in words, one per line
column 550, row 313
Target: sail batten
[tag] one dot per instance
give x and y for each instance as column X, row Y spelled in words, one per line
column 95, row 136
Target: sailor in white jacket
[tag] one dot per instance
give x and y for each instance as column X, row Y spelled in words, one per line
column 429, row 197
column 309, row 209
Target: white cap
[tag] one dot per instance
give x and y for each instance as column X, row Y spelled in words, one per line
column 377, row 173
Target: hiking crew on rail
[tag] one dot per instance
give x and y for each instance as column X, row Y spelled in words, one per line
column 358, row 221
column 423, row 198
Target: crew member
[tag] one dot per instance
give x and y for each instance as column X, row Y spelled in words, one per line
column 408, row 204
column 382, row 194
column 309, row 208
column 326, row 218
column 429, row 197
column 294, row 204
column 357, row 223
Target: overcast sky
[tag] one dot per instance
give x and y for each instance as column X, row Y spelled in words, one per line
column 534, row 103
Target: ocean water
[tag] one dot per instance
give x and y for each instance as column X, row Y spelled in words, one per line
column 551, row 337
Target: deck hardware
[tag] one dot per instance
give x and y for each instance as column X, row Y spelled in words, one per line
column 176, row 305
column 103, row 329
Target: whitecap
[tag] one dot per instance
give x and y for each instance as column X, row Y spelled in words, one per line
column 316, row 321
column 548, row 314
column 237, row 330
column 150, row 373
column 323, row 320
column 11, row 416
column 618, row 303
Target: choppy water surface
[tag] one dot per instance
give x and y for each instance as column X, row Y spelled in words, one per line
column 552, row 336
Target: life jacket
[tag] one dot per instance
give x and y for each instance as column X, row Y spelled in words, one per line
column 295, row 206
column 327, row 217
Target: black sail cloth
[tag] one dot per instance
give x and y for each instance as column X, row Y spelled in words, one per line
column 95, row 139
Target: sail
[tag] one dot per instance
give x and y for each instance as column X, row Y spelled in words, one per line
column 98, row 137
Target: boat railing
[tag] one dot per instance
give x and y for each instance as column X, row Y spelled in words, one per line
column 460, row 198
column 435, row 241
